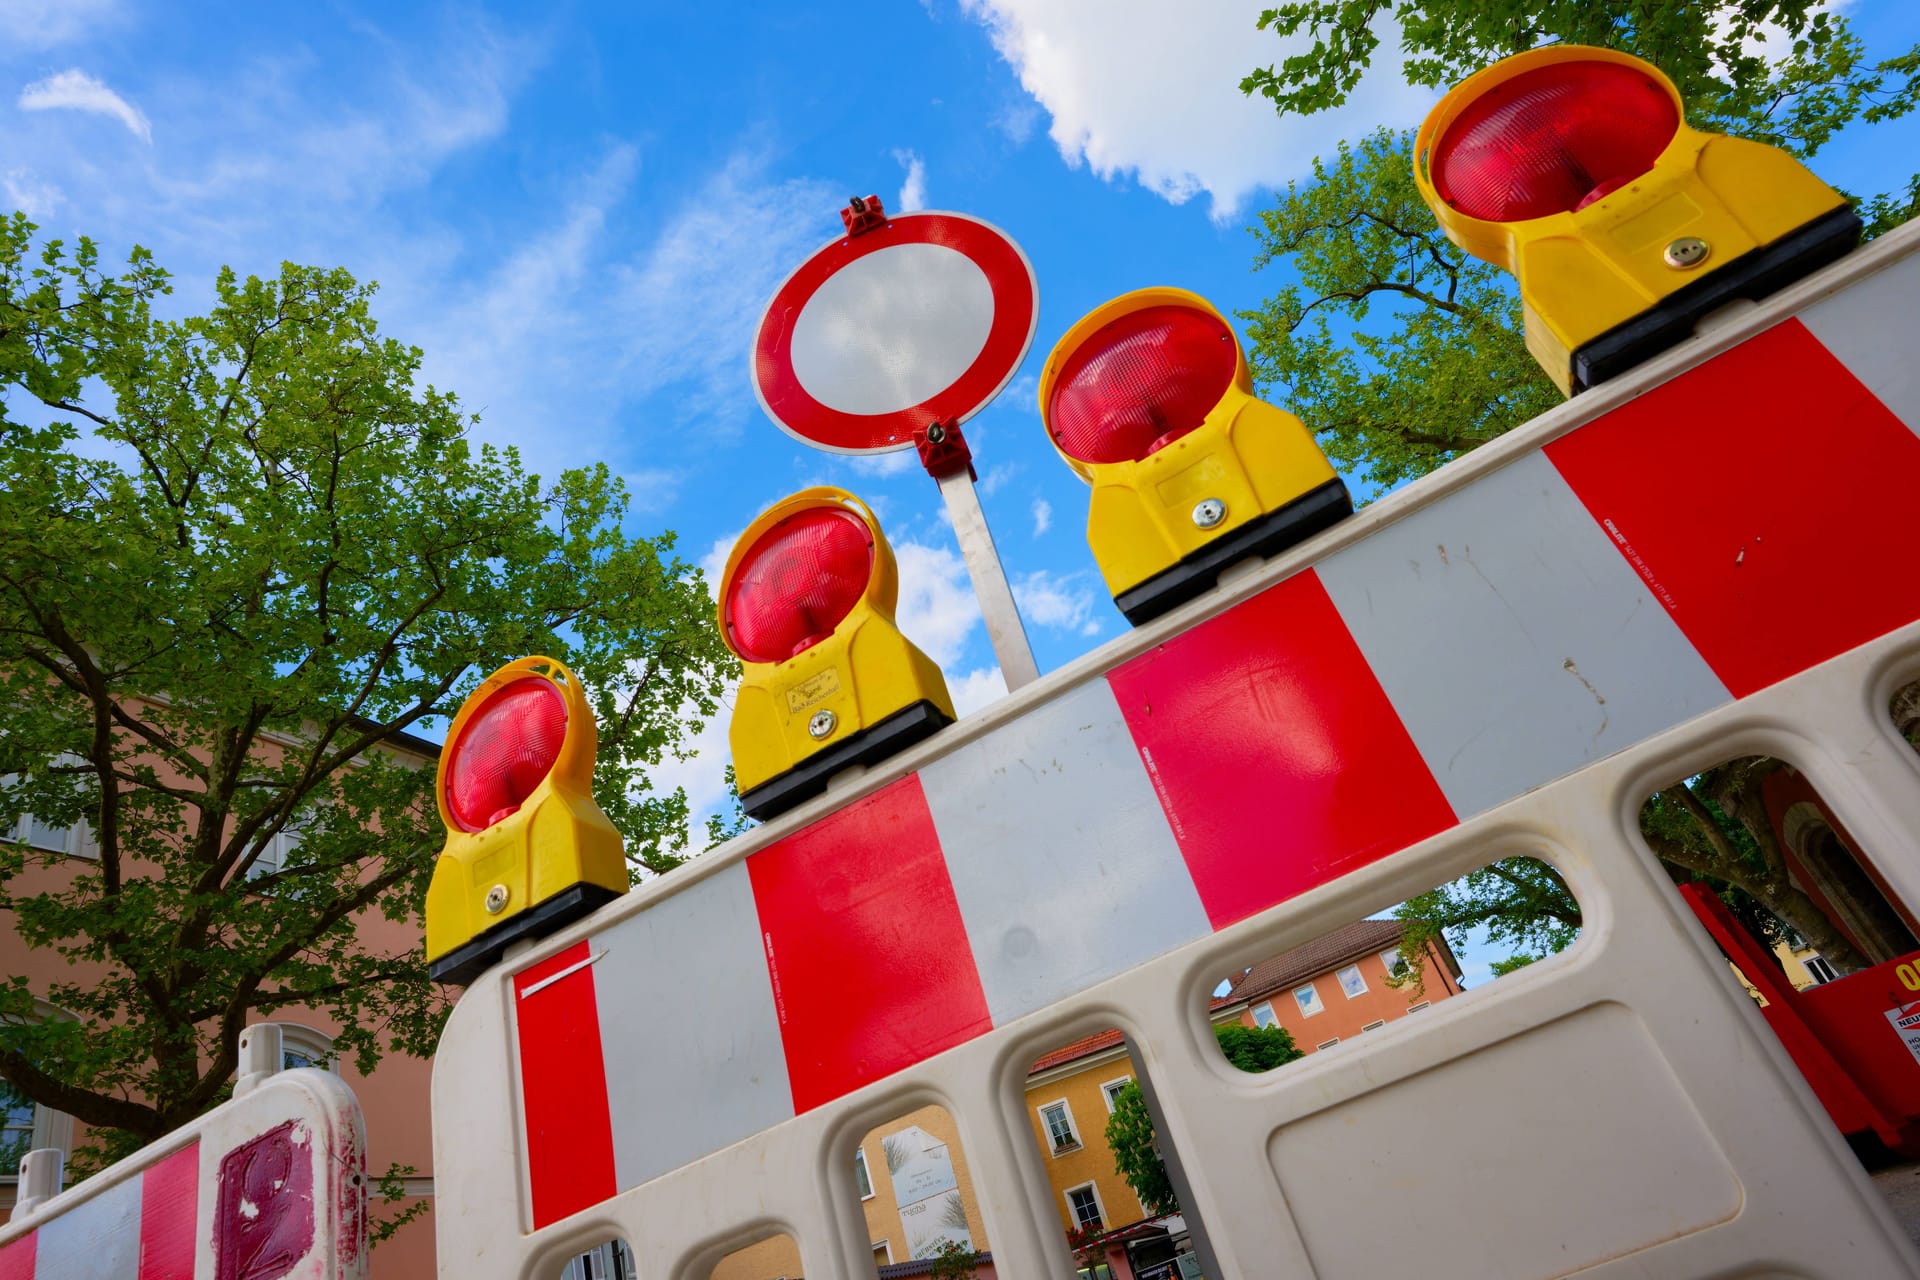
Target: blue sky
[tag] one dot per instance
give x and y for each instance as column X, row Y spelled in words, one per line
column 579, row 210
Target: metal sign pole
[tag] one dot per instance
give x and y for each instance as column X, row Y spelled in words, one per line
column 950, row 463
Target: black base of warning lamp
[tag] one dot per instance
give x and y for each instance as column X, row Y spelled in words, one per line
column 1271, row 534
column 460, row 966
column 1751, row 276
column 810, row 777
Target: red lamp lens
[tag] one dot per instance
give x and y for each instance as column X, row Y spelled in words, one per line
column 1140, row 383
column 797, row 582
column 1553, row 140
column 504, row 751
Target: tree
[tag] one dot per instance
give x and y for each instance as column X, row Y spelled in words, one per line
column 1400, row 350
column 1733, row 78
column 275, row 555
column 1130, row 1135
column 954, row 1261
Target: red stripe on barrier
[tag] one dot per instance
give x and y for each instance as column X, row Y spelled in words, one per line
column 1274, row 751
column 169, row 1208
column 563, row 1087
column 868, row 955
column 16, row 1258
column 1765, row 498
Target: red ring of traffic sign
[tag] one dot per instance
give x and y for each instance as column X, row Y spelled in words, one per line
column 1015, row 312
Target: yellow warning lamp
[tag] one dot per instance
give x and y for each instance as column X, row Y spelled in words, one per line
column 527, row 850
column 1150, row 400
column 1574, row 169
column 807, row 601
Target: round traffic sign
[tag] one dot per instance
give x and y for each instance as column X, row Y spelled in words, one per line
column 922, row 319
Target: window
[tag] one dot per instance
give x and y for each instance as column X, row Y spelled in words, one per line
column 16, row 1129
column 1059, row 1122
column 1328, row 1044
column 274, row 857
column 1391, row 961
column 23, row 828
column 610, row 1261
column 1822, row 971
column 1263, row 1015
column 1111, row 1090
column 882, row 1251
column 1375, row 1026
column 302, row 1046
column 1351, row 982
column 24, row 1125
column 1084, row 1202
column 1415, row 1008
column 861, row 1178
column 1308, row 998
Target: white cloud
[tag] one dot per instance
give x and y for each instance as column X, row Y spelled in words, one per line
column 686, row 308
column 704, row 772
column 30, row 194
column 1017, row 120
column 712, row 563
column 1062, row 602
column 976, row 689
column 937, row 607
column 42, row 24
column 1151, row 90
column 996, row 477
column 913, row 191
column 1042, row 516
column 75, row 90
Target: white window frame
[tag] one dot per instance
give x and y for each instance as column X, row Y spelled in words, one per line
column 1326, row 1044
column 1816, row 958
column 884, row 1246
column 1073, row 1127
column 1073, row 1214
column 1319, row 1006
column 310, row 1043
column 1375, row 1026
column 1340, row 977
column 866, row 1172
column 1107, row 1090
column 1391, row 959
column 76, row 841
column 1273, row 1019
column 50, row 1128
column 1415, row 1008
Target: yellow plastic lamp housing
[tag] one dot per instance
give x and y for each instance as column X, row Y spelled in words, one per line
column 806, row 602
column 1150, row 400
column 1574, row 169
column 527, row 850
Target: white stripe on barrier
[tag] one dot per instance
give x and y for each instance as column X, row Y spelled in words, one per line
column 720, row 1075
column 1063, row 862
column 1514, row 641
column 1853, row 326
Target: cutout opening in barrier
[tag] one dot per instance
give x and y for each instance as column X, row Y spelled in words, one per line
column 916, row 1193
column 772, row 1257
column 1812, row 930
column 608, row 1260
column 1116, row 1194
column 1369, row 975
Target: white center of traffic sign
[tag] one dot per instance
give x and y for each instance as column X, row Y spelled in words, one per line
column 884, row 332
column 893, row 328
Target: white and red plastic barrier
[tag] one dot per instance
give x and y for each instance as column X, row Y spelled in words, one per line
column 272, row 1184
column 1721, row 532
